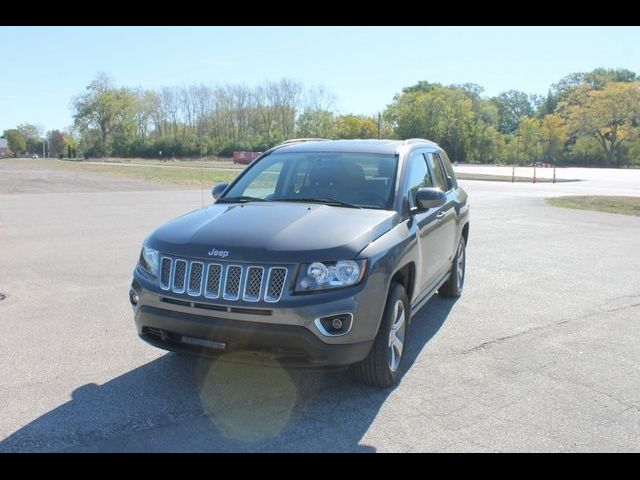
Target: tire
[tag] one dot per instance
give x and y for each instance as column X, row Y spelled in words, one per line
column 453, row 286
column 382, row 367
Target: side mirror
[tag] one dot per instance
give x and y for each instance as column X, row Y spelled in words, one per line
column 427, row 198
column 218, row 189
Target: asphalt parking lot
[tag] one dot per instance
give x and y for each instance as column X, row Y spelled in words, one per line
column 542, row 352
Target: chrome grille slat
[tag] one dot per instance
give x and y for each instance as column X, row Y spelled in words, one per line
column 196, row 269
column 214, row 277
column 179, row 276
column 276, row 281
column 166, row 266
column 253, row 284
column 233, row 282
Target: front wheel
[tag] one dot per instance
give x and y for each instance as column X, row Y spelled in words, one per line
column 382, row 366
column 453, row 286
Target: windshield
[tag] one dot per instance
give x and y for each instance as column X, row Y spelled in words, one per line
column 361, row 180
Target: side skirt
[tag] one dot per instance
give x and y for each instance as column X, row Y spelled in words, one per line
column 426, row 296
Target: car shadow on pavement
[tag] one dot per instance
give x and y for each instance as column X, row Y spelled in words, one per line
column 184, row 403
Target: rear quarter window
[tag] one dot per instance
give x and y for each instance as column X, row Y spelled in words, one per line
column 449, row 169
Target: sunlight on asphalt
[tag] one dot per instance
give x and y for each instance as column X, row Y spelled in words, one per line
column 246, row 402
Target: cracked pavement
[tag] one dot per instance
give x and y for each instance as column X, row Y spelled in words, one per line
column 542, row 352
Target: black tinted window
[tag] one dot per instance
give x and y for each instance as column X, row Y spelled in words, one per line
column 419, row 176
column 363, row 179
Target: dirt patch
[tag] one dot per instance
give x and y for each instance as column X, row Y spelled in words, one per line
column 49, row 176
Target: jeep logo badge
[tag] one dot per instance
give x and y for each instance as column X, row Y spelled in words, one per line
column 219, row 253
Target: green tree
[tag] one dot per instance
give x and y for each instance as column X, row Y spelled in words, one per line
column 316, row 123
column 32, row 136
column 530, row 139
column 109, row 111
column 15, row 141
column 442, row 114
column 611, row 115
column 356, row 126
column 512, row 106
column 30, row 131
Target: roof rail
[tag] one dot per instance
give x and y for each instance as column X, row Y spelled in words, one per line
column 300, row 140
column 419, row 140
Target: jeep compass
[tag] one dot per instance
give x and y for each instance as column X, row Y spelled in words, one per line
column 318, row 253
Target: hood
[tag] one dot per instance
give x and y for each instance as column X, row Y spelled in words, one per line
column 272, row 232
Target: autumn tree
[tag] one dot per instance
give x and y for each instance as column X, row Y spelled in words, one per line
column 529, row 138
column 611, row 115
column 356, row 126
column 553, row 137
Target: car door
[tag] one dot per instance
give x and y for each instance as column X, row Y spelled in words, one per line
column 443, row 242
column 423, row 223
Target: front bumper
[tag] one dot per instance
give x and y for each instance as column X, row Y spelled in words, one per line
column 210, row 336
column 286, row 331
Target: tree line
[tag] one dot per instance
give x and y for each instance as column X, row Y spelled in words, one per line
column 589, row 118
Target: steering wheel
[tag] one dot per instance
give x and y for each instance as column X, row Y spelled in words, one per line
column 370, row 198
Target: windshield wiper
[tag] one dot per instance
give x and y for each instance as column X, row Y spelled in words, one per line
column 325, row 200
column 240, row 199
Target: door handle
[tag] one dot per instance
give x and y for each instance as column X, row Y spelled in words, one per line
column 440, row 214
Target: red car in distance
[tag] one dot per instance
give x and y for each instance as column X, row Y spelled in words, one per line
column 245, row 158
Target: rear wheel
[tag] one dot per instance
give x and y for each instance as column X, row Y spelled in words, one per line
column 453, row 286
column 383, row 365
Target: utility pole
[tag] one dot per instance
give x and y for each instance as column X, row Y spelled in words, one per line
column 513, row 170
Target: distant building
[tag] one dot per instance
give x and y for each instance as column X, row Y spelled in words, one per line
column 4, row 148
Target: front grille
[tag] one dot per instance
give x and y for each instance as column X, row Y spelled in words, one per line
column 233, row 282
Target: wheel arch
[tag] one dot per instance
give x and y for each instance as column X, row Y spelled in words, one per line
column 465, row 233
column 405, row 276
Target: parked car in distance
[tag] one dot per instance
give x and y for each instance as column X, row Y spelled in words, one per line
column 35, row 155
column 319, row 252
column 245, row 158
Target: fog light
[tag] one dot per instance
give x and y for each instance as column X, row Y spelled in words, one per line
column 334, row 325
column 133, row 297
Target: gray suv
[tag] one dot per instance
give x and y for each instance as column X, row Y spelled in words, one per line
column 318, row 253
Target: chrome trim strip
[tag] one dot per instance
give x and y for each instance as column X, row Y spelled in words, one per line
column 190, row 291
column 246, row 284
column 322, row 330
column 269, row 299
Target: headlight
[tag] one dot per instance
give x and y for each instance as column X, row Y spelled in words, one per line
column 149, row 260
column 320, row 276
